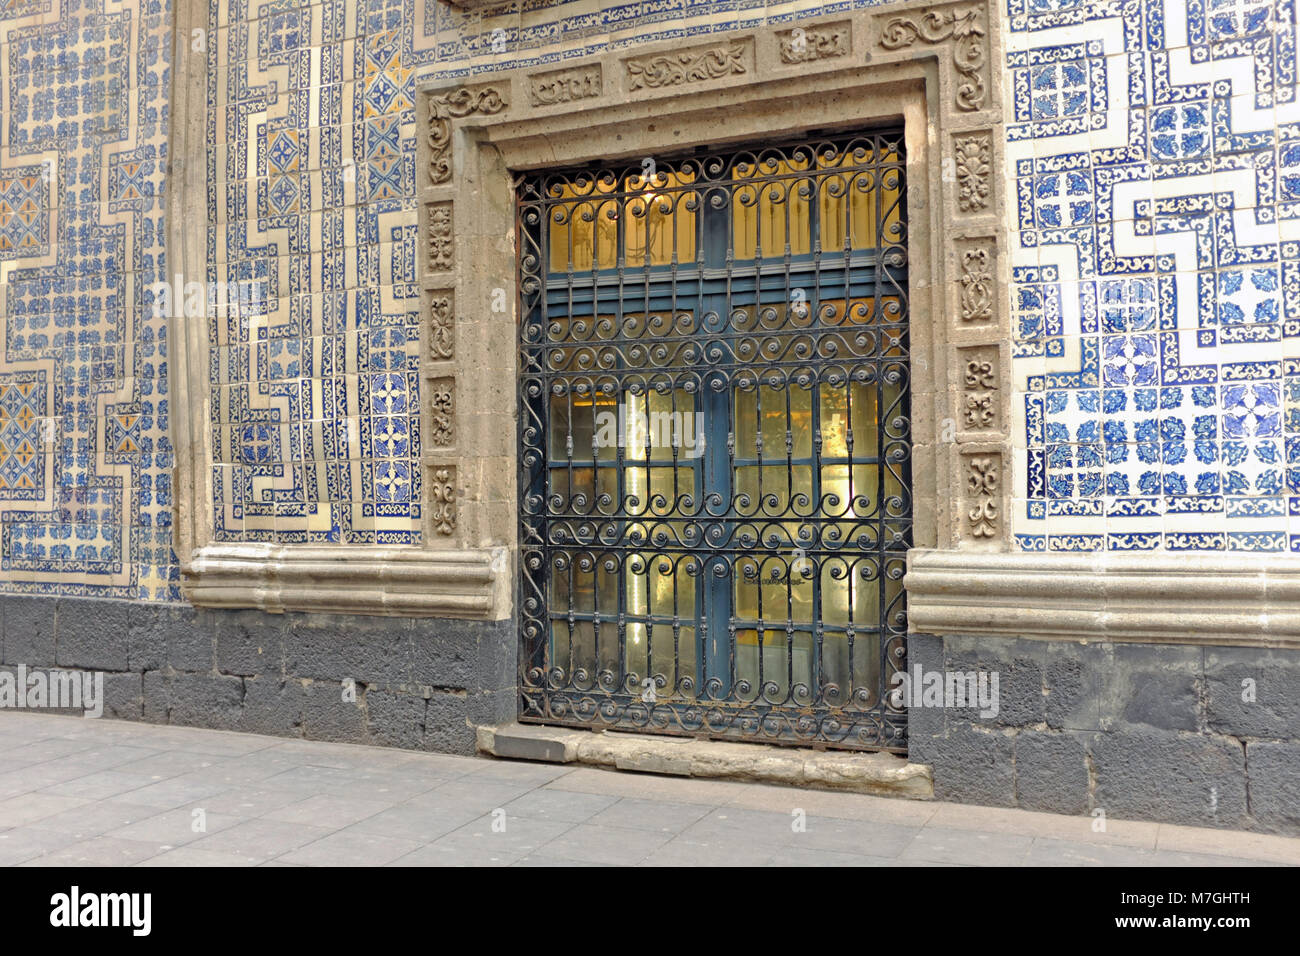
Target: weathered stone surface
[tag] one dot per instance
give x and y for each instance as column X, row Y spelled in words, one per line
column 1153, row 686
column 924, row 723
column 683, row 756
column 395, row 719
column 91, row 634
column 327, row 716
column 273, row 705
column 1253, row 694
column 446, row 724
column 1175, row 777
column 250, row 642
column 497, row 660
column 1273, row 770
column 369, row 650
column 1051, row 772
column 492, row 707
column 1021, row 701
column 124, row 696
column 974, row 766
column 29, row 631
column 444, row 653
column 193, row 700
column 1072, row 701
column 169, row 636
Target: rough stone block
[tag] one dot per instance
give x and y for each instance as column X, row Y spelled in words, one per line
column 497, row 660
column 1051, row 772
column 492, row 707
column 924, row 723
column 273, row 706
column 1273, row 769
column 444, row 653
column 124, row 696
column 1196, row 779
column 370, row 650
column 327, row 716
column 170, row 636
column 91, row 634
column 446, row 725
column 395, row 719
column 249, row 643
column 974, row 766
column 1071, row 702
column 1021, row 701
column 1269, row 706
column 1153, row 686
column 29, row 631
column 193, row 700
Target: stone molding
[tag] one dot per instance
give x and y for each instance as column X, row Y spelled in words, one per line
column 1220, row 599
column 359, row 580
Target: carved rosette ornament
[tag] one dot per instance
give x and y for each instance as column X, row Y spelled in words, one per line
column 449, row 106
column 973, row 158
column 805, row 44
column 962, row 26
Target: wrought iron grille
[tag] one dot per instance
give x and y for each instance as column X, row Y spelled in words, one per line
column 715, row 443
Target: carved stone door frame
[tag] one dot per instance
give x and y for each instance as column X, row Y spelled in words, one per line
column 926, row 65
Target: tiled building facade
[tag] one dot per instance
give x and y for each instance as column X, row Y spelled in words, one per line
column 1146, row 164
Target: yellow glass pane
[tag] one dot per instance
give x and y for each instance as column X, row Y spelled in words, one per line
column 843, row 408
column 852, row 200
column 771, row 209
column 660, row 218
column 583, row 225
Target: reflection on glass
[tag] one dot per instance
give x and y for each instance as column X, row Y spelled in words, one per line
column 770, row 207
column 656, row 213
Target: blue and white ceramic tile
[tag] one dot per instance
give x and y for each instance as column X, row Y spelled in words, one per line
column 1154, row 153
column 1153, row 156
column 85, row 464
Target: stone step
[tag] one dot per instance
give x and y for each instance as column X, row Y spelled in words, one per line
column 883, row 774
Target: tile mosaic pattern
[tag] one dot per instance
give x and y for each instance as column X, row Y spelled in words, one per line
column 312, row 214
column 1154, row 153
column 85, row 465
column 1160, row 396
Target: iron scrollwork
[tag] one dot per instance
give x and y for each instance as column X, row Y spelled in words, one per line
column 715, row 443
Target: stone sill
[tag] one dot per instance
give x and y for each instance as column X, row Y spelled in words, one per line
column 468, row 585
column 1226, row 599
column 884, row 774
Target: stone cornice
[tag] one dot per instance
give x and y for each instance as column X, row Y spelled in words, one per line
column 1233, row 598
column 355, row 580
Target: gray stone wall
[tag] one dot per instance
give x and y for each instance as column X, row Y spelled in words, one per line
column 420, row 683
column 1140, row 731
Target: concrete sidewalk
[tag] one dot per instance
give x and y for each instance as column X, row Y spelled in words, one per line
column 102, row 792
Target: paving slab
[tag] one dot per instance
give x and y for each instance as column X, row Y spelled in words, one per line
column 109, row 793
